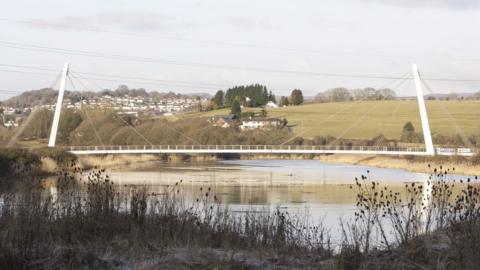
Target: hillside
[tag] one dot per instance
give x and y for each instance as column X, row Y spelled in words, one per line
column 97, row 127
column 367, row 119
column 49, row 96
column 380, row 117
column 348, row 120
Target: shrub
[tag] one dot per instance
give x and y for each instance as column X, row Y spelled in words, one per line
column 475, row 160
column 59, row 155
column 16, row 159
column 88, row 212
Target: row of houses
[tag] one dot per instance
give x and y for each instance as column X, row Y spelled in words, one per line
column 12, row 117
column 132, row 101
column 135, row 105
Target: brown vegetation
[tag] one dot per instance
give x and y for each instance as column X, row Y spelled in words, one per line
column 92, row 223
column 463, row 165
column 85, row 220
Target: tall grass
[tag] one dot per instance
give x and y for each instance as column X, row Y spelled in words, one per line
column 86, row 219
column 404, row 224
column 87, row 213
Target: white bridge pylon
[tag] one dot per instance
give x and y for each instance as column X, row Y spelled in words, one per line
column 58, row 107
column 429, row 148
column 427, row 134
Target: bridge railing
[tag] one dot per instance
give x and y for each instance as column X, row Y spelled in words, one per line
column 243, row 148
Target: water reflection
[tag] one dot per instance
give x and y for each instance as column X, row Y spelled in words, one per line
column 298, row 186
column 295, row 185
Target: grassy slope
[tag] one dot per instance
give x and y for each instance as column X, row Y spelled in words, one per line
column 386, row 117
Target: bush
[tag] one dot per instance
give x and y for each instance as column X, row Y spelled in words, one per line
column 475, row 160
column 89, row 213
column 16, row 159
column 59, row 155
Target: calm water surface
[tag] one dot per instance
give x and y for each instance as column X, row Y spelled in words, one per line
column 296, row 186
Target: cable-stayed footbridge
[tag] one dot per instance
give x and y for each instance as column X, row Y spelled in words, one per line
column 427, row 150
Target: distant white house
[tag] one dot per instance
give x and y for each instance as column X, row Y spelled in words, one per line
column 9, row 111
column 10, row 123
column 271, row 105
column 254, row 124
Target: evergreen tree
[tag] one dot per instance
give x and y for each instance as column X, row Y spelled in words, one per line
column 296, row 97
column 218, row 99
column 257, row 94
column 408, row 127
column 265, row 97
column 408, row 133
column 236, row 109
column 284, row 101
column 271, row 97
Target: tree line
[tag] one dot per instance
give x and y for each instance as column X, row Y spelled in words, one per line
column 253, row 95
column 343, row 94
column 47, row 96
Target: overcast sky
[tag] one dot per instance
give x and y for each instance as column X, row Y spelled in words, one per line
column 242, row 42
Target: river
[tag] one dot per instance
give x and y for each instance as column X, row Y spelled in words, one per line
column 296, row 186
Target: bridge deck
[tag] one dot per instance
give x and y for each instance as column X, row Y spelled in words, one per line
column 261, row 149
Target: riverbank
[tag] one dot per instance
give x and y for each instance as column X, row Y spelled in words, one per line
column 416, row 164
column 119, row 161
column 412, row 164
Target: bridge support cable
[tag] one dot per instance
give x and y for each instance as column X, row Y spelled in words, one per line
column 394, row 112
column 353, row 125
column 128, row 124
column 321, row 122
column 400, row 82
column 405, row 78
column 56, row 82
column 85, row 111
column 427, row 134
column 19, row 131
column 452, row 120
column 58, row 107
column 76, row 76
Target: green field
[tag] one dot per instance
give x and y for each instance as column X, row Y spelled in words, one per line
column 364, row 120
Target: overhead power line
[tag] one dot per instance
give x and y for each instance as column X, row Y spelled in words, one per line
column 117, row 80
column 232, row 44
column 121, row 79
column 103, row 76
column 22, row 46
column 7, row 91
column 149, row 83
column 28, row 47
column 27, row 72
